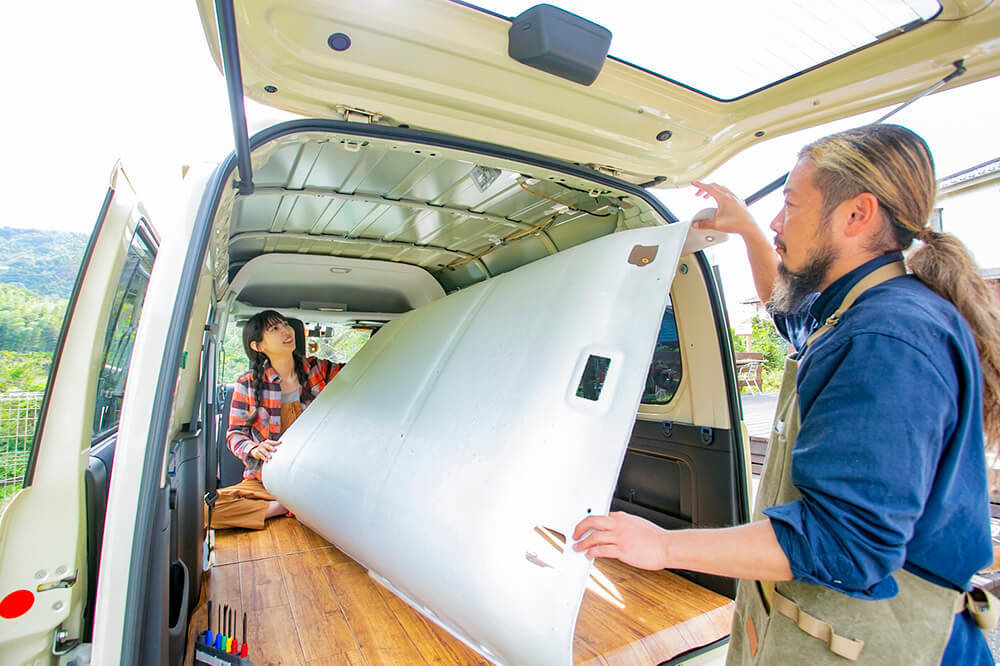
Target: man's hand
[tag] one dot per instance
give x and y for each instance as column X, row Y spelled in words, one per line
column 732, row 215
column 631, row 539
column 264, row 450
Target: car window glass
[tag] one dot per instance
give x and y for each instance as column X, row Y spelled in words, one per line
column 335, row 342
column 665, row 370
column 338, row 343
column 120, row 333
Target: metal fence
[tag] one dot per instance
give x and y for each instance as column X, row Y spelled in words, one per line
column 18, row 414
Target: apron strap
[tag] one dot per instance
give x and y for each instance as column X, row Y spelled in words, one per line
column 877, row 276
column 982, row 606
column 841, row 646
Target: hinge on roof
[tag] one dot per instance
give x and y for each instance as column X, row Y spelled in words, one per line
column 606, row 170
column 353, row 115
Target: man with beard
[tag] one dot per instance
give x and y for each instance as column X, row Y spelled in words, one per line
column 872, row 514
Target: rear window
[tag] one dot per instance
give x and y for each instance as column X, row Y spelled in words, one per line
column 665, row 371
column 730, row 48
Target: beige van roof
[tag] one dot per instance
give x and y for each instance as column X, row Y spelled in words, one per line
column 443, row 66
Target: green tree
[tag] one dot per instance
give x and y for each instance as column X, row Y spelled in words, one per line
column 766, row 340
column 24, row 371
column 739, row 344
column 233, row 361
column 29, row 322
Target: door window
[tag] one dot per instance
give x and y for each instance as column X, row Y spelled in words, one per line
column 120, row 332
column 665, row 370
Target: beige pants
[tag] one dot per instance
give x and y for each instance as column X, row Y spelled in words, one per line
column 242, row 505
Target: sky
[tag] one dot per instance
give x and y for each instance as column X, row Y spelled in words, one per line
column 89, row 83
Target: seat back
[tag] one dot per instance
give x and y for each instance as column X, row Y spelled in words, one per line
column 300, row 335
column 230, row 467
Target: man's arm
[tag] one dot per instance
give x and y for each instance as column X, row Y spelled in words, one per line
column 748, row 551
column 734, row 217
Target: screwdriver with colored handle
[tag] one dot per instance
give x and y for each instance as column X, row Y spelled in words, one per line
column 245, row 650
column 209, row 638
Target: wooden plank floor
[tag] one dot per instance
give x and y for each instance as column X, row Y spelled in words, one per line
column 309, row 604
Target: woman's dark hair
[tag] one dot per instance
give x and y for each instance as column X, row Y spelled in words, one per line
column 253, row 331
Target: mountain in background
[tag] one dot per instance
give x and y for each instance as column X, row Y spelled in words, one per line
column 45, row 262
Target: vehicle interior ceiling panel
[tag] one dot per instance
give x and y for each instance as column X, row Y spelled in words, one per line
column 460, row 217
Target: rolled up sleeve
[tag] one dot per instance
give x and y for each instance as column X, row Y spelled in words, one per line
column 864, row 462
column 239, row 438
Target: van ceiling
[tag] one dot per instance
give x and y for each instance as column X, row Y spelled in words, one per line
column 463, row 217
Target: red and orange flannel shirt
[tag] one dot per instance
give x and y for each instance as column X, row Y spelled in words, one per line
column 242, row 436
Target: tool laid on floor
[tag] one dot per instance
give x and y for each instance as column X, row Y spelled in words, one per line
column 221, row 648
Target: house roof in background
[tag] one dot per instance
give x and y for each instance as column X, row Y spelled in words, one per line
column 986, row 170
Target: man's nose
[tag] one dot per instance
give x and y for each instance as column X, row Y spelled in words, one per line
column 778, row 222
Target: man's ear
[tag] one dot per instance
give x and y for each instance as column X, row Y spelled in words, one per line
column 863, row 214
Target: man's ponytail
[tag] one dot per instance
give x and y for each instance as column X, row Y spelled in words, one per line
column 944, row 264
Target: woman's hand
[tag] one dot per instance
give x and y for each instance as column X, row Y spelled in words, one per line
column 264, row 450
column 732, row 215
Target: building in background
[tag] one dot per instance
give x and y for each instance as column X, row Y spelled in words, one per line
column 969, row 207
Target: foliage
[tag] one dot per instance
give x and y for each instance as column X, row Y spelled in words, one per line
column 29, row 322
column 233, row 360
column 24, row 371
column 766, row 340
column 739, row 344
column 770, row 379
column 45, row 262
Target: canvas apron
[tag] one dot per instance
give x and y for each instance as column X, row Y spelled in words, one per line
column 800, row 623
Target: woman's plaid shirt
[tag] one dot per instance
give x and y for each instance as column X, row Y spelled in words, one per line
column 242, row 435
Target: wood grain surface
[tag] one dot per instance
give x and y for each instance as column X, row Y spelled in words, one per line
column 307, row 603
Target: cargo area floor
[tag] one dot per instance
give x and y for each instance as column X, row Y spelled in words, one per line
column 308, row 603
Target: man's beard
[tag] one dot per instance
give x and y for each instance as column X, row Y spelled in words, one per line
column 792, row 287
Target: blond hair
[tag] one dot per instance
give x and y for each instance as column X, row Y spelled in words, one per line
column 896, row 166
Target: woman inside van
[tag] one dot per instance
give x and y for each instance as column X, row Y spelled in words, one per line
column 266, row 401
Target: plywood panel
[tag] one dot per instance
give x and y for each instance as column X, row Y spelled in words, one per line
column 352, row 658
column 633, row 617
column 273, row 639
column 375, row 626
column 225, row 546
column 261, row 584
column 291, row 536
column 435, row 644
column 320, row 607
column 322, row 628
column 254, row 544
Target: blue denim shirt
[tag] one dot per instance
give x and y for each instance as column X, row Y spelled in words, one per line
column 889, row 457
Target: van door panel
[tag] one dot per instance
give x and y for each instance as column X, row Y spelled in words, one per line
column 43, row 532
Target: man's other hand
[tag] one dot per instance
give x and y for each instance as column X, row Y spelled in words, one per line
column 633, row 540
